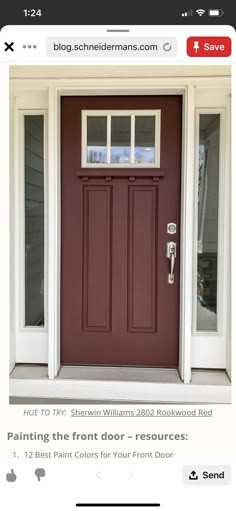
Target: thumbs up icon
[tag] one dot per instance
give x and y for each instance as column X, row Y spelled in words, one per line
column 11, row 476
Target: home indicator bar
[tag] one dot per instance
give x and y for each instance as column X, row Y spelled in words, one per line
column 119, row 505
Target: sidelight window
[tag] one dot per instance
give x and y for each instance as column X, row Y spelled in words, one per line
column 34, row 163
column 208, row 221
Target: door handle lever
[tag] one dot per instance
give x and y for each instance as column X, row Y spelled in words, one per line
column 171, row 254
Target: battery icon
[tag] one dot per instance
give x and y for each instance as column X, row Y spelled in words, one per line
column 215, row 12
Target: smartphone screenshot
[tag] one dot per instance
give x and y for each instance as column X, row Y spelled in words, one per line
column 117, row 251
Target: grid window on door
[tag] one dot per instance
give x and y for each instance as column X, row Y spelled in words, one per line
column 121, row 138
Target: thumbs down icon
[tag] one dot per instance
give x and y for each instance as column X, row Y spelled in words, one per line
column 39, row 472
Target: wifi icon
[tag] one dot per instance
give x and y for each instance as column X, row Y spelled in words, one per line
column 200, row 12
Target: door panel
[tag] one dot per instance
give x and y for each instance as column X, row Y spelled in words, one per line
column 97, row 239
column 117, row 307
column 142, row 267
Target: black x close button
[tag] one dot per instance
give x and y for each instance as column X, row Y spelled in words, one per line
column 9, row 46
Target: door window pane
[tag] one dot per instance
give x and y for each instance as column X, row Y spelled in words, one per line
column 208, row 194
column 120, row 139
column 96, row 139
column 34, row 220
column 144, row 139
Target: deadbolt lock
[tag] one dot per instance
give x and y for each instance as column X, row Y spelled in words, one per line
column 171, row 228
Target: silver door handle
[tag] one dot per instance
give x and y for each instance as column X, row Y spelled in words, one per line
column 171, row 254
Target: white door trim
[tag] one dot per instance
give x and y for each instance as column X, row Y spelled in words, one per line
column 186, row 229
column 54, row 234
column 186, row 217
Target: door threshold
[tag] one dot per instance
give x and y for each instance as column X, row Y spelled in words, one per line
column 120, row 373
column 126, row 385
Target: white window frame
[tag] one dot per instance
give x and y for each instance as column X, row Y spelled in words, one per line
column 121, row 113
column 31, row 341
column 210, row 348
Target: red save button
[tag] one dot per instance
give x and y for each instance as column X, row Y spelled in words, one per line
column 208, row 46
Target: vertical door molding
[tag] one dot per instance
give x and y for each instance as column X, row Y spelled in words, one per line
column 186, row 237
column 228, row 262
column 54, row 208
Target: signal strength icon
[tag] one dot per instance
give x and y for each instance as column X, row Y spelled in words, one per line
column 200, row 12
column 187, row 13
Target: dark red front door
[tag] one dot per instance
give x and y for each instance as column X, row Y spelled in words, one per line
column 117, row 307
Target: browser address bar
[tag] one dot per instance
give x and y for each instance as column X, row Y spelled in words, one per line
column 111, row 47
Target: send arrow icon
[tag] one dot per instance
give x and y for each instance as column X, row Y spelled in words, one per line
column 193, row 476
